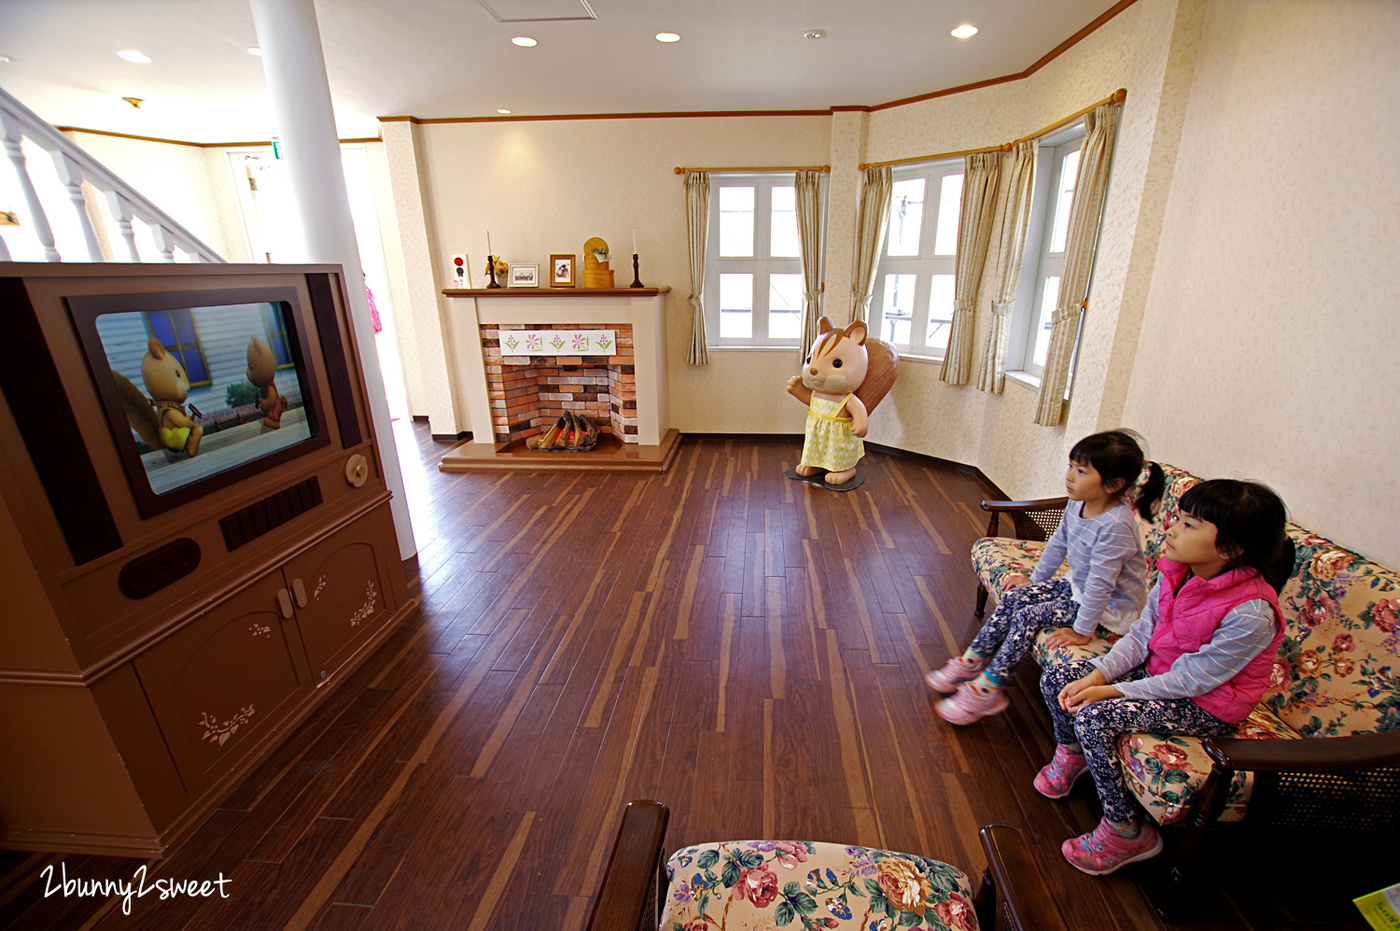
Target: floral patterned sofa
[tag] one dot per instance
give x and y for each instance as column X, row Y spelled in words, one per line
column 740, row 885
column 1336, row 673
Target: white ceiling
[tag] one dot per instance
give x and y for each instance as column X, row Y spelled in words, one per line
column 453, row 58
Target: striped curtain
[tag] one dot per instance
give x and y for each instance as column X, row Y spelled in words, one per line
column 870, row 231
column 1014, row 216
column 1101, row 128
column 697, row 215
column 979, row 194
column 809, row 229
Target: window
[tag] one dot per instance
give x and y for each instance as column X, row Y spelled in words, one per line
column 176, row 332
column 1057, row 168
column 277, row 341
column 912, row 304
column 753, row 265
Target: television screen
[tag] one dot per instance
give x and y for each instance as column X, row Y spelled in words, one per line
column 202, row 389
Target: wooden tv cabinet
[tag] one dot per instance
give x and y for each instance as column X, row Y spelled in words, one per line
column 124, row 720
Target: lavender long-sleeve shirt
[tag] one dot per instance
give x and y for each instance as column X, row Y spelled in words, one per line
column 1244, row 632
column 1107, row 571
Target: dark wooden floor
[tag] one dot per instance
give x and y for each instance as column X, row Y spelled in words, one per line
column 746, row 649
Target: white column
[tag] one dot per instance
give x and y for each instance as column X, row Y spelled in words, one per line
column 301, row 103
column 71, row 175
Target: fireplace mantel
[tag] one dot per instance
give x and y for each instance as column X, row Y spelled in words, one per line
column 643, row 309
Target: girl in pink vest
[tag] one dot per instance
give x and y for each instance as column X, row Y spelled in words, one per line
column 1196, row 662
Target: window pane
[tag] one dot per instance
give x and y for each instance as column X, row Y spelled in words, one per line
column 783, row 239
column 784, row 306
column 736, row 221
column 906, row 217
column 735, row 306
column 949, row 206
column 1069, row 172
column 1041, row 335
column 897, row 308
column 940, row 312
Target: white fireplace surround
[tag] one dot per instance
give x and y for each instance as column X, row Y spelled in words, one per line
column 643, row 309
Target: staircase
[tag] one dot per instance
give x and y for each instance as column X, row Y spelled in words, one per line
column 75, row 209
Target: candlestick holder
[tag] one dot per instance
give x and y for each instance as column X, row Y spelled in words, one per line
column 491, row 266
column 636, row 274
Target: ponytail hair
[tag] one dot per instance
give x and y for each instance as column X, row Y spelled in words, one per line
column 1117, row 456
column 1249, row 520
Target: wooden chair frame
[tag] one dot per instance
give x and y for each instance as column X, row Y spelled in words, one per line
column 631, row 896
column 1035, row 519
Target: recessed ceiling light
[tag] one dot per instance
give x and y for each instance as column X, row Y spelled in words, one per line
column 502, row 111
column 255, row 51
column 668, row 37
column 966, row 31
column 132, row 55
column 814, row 34
column 524, row 41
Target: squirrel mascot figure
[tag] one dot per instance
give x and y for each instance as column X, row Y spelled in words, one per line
column 161, row 421
column 262, row 372
column 846, row 374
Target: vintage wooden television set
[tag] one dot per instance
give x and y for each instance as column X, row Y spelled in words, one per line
column 169, row 609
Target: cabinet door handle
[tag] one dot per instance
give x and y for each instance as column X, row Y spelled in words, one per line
column 300, row 591
column 284, row 602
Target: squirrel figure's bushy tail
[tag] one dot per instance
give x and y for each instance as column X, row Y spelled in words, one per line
column 140, row 413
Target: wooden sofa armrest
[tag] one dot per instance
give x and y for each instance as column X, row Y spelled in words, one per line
column 629, row 897
column 1013, row 876
column 1322, row 754
column 1021, row 513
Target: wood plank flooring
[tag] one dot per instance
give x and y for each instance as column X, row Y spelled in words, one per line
column 744, row 648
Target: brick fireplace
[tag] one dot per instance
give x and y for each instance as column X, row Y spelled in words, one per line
column 528, row 393
column 511, row 388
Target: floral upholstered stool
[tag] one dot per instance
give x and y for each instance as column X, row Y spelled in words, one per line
column 807, row 886
column 764, row 883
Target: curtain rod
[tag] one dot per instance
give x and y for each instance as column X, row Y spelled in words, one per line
column 821, row 168
column 1117, row 96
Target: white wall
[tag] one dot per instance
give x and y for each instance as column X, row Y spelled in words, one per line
column 1270, row 340
column 191, row 183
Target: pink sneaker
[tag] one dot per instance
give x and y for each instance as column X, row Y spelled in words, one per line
column 945, row 681
column 966, row 706
column 1104, row 850
column 1057, row 777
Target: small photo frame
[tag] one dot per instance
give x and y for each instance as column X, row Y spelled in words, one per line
column 561, row 271
column 524, row 276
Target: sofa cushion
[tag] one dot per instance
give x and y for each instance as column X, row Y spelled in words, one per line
column 1164, row 773
column 1337, row 671
column 802, row 884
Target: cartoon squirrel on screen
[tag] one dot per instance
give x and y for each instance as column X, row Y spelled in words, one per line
column 161, row 420
column 846, row 374
column 262, row 372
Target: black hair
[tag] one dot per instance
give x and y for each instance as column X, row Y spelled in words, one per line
column 1117, row 456
column 1249, row 522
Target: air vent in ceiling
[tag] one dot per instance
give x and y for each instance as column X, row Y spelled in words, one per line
column 538, row 11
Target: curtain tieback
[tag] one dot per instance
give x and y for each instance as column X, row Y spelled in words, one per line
column 1002, row 309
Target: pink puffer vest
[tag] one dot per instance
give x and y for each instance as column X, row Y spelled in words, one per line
column 1187, row 617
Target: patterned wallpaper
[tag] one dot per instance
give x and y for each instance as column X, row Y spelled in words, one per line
column 1271, row 332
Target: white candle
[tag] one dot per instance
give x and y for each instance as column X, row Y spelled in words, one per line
column 488, row 243
column 634, row 241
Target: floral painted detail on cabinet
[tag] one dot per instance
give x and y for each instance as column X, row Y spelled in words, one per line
column 367, row 609
column 260, row 630
column 219, row 732
column 320, row 586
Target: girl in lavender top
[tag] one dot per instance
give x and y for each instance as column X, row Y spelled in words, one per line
column 1196, row 662
column 1105, row 587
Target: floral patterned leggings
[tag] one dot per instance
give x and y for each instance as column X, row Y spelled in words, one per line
column 1097, row 726
column 1008, row 635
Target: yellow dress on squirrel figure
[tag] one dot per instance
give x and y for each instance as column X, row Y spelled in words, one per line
column 829, row 443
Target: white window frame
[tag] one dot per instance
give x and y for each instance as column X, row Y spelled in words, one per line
column 923, row 266
column 760, row 265
column 1030, row 289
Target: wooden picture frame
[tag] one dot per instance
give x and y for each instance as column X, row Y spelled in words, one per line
column 524, row 276
column 563, row 271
